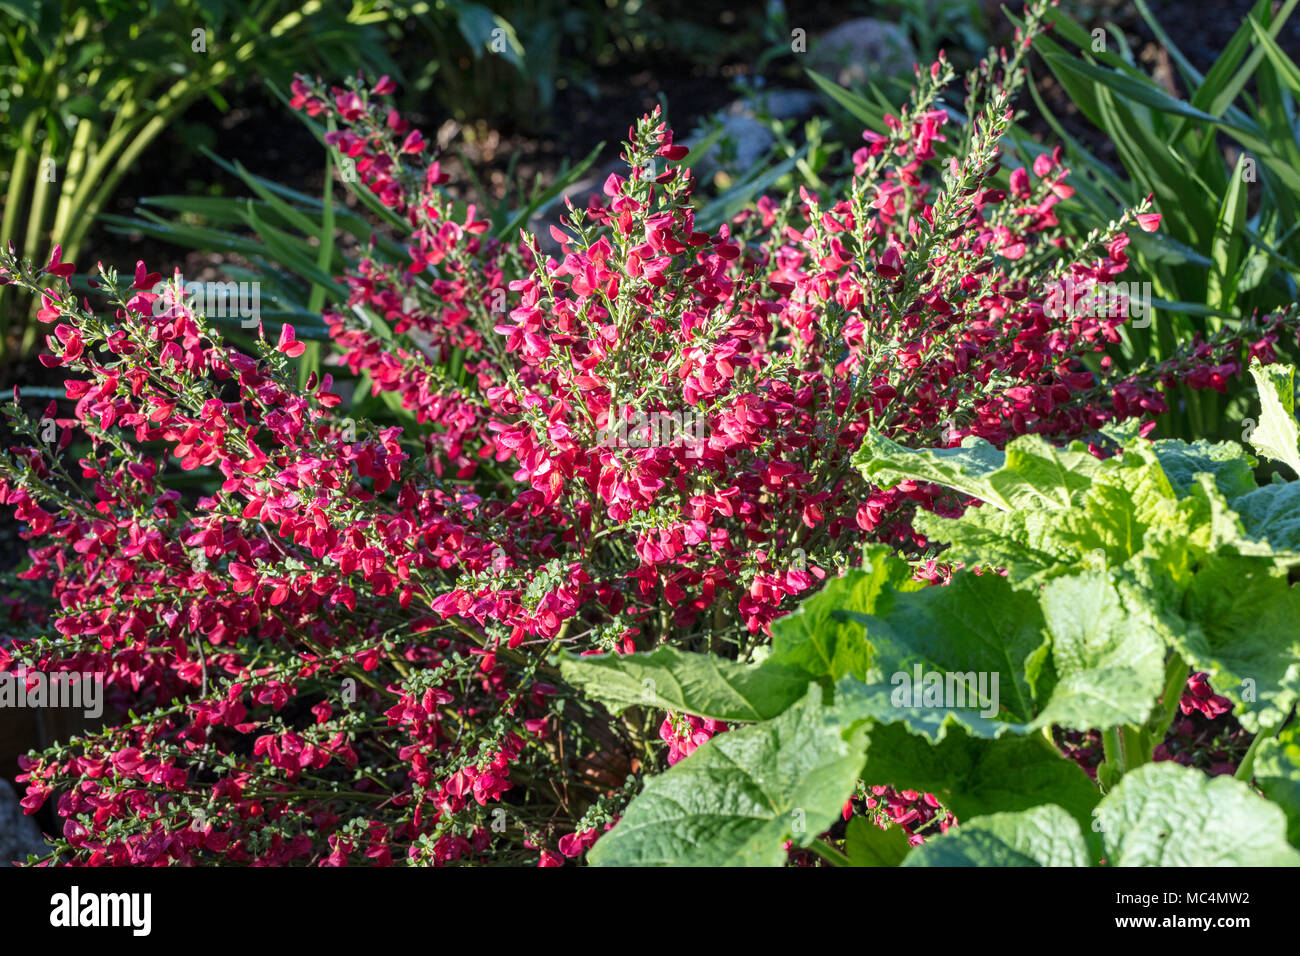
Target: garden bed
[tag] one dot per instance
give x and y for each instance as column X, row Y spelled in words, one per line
column 821, row 469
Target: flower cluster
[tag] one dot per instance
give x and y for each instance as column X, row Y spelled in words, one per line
column 920, row 815
column 683, row 733
column 1199, row 697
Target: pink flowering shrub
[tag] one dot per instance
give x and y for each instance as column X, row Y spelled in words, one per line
column 340, row 652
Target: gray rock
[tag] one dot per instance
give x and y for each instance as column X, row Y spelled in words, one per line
column 858, row 51
column 778, row 104
column 19, row 834
column 745, row 140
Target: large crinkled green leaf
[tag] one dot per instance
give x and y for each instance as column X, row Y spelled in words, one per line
column 1133, row 508
column 1244, row 631
column 700, row 684
column 737, row 799
column 1217, row 528
column 1037, row 473
column 1031, row 473
column 1128, row 507
column 820, row 638
column 977, row 624
column 1272, row 514
column 1108, row 653
column 1024, row 543
column 1128, row 496
column 1277, row 435
column 1043, row 836
column 972, row 776
column 975, row 654
column 967, row 468
column 1163, row 814
column 1213, row 527
column 1107, row 513
column 1277, row 773
column 1103, row 513
column 1226, row 462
